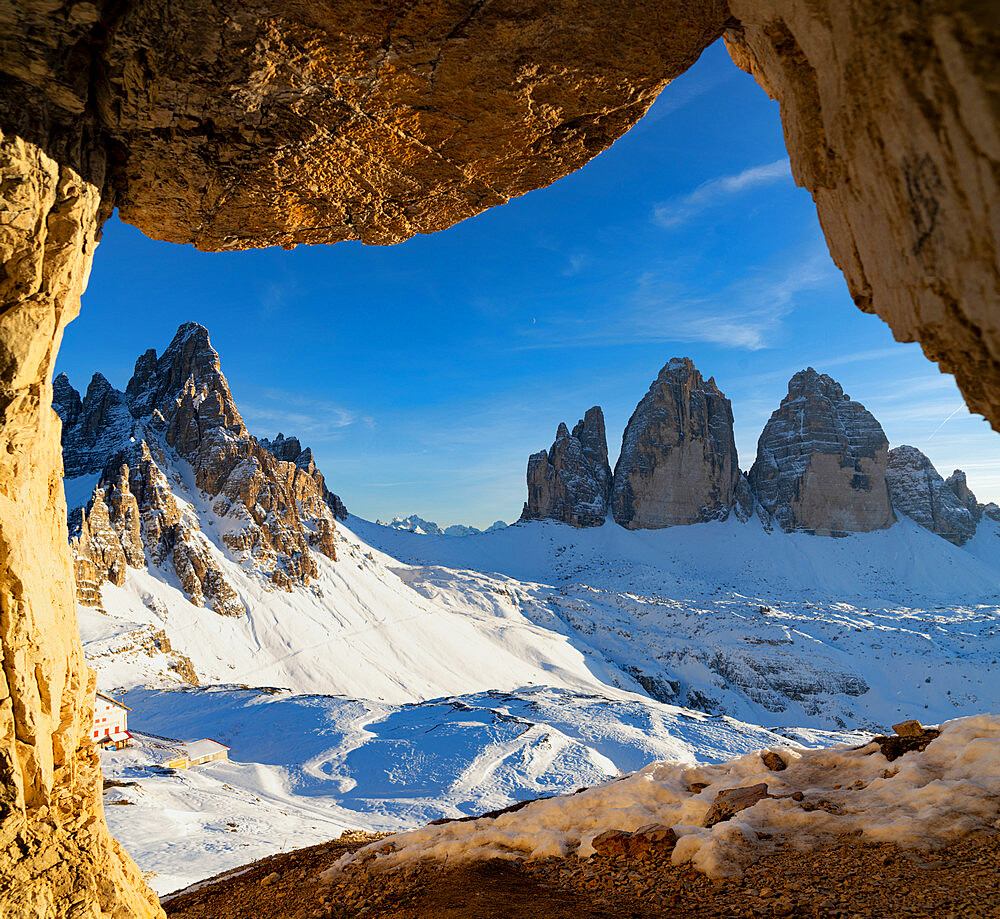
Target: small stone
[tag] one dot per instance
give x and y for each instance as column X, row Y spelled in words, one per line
column 798, row 796
column 911, row 728
column 783, row 907
column 270, row 879
column 773, row 761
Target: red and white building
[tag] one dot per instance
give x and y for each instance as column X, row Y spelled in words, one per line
column 110, row 723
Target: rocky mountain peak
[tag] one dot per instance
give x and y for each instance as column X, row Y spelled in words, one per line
column 571, row 482
column 678, row 463
column 186, row 379
column 821, row 461
column 809, row 382
column 275, row 502
column 94, row 427
column 947, row 508
column 65, row 399
column 591, row 434
column 958, row 485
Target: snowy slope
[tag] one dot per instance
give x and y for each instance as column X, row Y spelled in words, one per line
column 307, row 767
column 902, row 564
column 721, row 617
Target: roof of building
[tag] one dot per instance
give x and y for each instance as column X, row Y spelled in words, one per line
column 204, row 747
column 101, row 695
column 118, row 735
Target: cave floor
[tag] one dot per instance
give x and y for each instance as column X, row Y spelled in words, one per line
column 849, row 879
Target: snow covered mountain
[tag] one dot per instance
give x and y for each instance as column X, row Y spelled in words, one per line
column 376, row 676
column 415, row 524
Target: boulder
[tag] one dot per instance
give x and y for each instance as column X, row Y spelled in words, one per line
column 918, row 491
column 678, row 462
column 821, row 462
column 572, row 481
column 647, row 840
column 730, row 801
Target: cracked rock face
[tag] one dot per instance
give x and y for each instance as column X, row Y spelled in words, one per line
column 57, row 856
column 678, row 463
column 821, row 462
column 572, row 481
column 265, row 123
column 947, row 508
column 290, row 450
column 178, row 407
column 891, row 116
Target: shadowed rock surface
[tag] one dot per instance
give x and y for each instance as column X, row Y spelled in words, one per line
column 918, row 491
column 678, row 462
column 572, row 481
column 821, row 462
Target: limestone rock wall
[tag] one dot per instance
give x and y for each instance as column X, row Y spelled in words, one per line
column 572, row 481
column 56, row 856
column 678, row 462
column 821, row 462
column 947, row 508
column 891, row 113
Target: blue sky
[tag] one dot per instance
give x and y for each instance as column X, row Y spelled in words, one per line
column 423, row 374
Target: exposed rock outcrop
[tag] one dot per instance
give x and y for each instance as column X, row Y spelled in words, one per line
column 678, row 462
column 891, row 115
column 572, row 481
column 106, row 538
column 94, row 427
column 178, row 406
column 918, row 491
column 56, row 855
column 959, row 487
column 291, row 451
column 821, row 462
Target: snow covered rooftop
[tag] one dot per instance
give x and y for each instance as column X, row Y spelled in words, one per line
column 195, row 749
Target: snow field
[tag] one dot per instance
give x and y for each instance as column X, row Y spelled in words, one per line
column 304, row 768
column 921, row 800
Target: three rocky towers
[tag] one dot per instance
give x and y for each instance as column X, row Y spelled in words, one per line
column 823, row 466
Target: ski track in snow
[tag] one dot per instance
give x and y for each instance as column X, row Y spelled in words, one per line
column 425, row 676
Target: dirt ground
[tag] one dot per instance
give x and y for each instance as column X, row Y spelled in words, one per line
column 847, row 879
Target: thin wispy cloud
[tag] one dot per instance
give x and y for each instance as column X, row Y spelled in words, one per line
column 267, row 411
column 678, row 211
column 746, row 314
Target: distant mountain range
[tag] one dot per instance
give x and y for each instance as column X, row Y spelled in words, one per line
column 415, row 524
column 208, row 555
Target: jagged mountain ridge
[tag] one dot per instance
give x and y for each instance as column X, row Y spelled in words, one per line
column 823, row 467
column 415, row 524
column 177, row 428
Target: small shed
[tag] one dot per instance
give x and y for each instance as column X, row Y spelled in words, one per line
column 205, row 751
column 195, row 753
